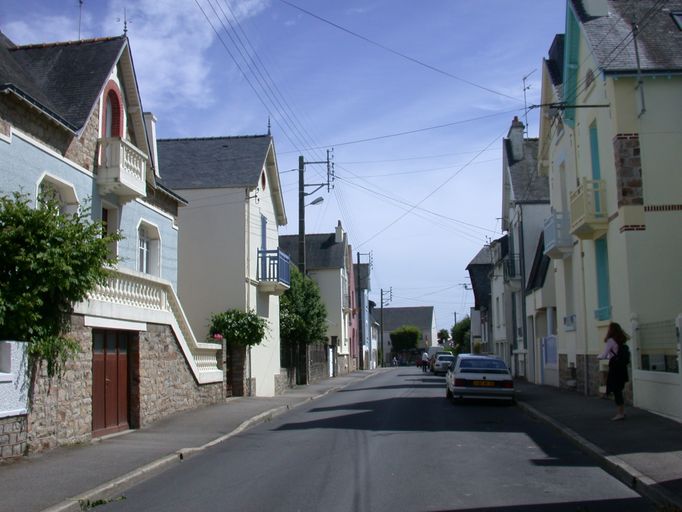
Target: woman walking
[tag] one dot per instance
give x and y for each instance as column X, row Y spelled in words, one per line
column 617, row 352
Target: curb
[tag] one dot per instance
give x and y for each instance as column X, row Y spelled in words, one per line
column 106, row 490
column 612, row 464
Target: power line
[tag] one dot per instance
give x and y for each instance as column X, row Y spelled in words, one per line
column 396, row 52
column 427, row 195
column 418, row 130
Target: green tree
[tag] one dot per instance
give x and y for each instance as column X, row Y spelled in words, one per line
column 443, row 336
column 460, row 335
column 50, row 261
column 405, row 337
column 241, row 328
column 302, row 314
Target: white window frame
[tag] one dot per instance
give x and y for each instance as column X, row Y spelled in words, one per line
column 148, row 240
column 65, row 192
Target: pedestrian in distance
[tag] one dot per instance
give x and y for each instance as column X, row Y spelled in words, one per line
column 618, row 355
column 425, row 361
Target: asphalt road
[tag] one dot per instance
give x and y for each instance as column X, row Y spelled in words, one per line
column 390, row 443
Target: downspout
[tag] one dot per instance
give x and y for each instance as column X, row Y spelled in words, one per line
column 248, row 268
column 522, row 263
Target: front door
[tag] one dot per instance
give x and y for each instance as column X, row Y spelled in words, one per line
column 109, row 381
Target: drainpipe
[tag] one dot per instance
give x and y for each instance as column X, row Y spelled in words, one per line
column 586, row 386
column 248, row 268
column 522, row 263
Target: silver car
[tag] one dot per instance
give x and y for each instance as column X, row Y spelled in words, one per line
column 442, row 363
column 478, row 376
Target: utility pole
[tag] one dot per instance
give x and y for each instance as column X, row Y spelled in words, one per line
column 384, row 302
column 361, row 314
column 301, row 202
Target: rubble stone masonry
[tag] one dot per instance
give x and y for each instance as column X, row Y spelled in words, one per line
column 166, row 382
column 161, row 384
column 628, row 169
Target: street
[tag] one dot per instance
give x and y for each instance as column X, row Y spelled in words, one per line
column 390, row 443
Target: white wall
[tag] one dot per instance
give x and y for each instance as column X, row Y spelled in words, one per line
column 13, row 378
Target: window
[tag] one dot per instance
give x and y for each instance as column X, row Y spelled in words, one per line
column 497, row 311
column 110, row 225
column 112, row 115
column 603, row 311
column 5, row 357
column 148, row 249
column 51, row 187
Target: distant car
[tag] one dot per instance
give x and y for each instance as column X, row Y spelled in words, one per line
column 442, row 363
column 434, row 356
column 478, row 376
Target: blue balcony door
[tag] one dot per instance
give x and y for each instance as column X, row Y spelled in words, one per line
column 596, row 165
column 603, row 311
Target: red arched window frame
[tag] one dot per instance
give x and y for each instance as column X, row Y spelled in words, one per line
column 112, row 111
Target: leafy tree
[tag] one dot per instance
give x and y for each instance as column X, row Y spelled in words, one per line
column 302, row 314
column 460, row 334
column 405, row 337
column 50, row 261
column 443, row 336
column 241, row 328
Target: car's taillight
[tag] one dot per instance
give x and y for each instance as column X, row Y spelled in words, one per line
column 507, row 384
column 460, row 382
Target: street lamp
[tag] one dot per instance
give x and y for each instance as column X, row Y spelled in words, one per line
column 317, row 200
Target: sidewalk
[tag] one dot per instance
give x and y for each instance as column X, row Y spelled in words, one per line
column 644, row 451
column 91, row 471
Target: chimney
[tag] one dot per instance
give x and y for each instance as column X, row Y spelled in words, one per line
column 515, row 137
column 596, row 8
column 150, row 125
column 338, row 237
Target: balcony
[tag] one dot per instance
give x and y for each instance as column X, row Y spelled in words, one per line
column 558, row 240
column 512, row 271
column 122, row 170
column 274, row 273
column 589, row 217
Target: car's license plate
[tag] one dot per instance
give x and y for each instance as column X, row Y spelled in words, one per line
column 484, row 383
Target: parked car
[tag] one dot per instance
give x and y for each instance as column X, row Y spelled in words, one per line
column 442, row 363
column 434, row 356
column 478, row 376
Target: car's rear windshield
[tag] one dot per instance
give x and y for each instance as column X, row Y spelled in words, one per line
column 485, row 365
column 446, row 358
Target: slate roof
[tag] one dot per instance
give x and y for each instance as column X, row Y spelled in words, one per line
column 479, row 272
column 321, row 250
column 527, row 185
column 213, row 162
column 541, row 262
column 394, row 317
column 555, row 60
column 659, row 40
column 62, row 79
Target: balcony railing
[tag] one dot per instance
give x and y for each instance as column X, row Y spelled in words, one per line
column 274, row 271
column 589, row 217
column 122, row 170
column 512, row 268
column 133, row 296
column 558, row 240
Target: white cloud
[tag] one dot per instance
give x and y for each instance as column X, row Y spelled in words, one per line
column 171, row 41
column 44, row 30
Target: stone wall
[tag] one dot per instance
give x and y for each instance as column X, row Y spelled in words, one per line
column 166, row 382
column 61, row 409
column 285, row 379
column 318, row 364
column 628, row 169
column 13, row 437
column 161, row 383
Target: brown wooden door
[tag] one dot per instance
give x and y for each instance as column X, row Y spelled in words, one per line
column 109, row 381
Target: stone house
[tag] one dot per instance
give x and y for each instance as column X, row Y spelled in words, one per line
column 610, row 135
column 228, row 243
column 71, row 122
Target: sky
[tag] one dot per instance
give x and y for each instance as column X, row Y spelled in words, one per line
column 411, row 98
